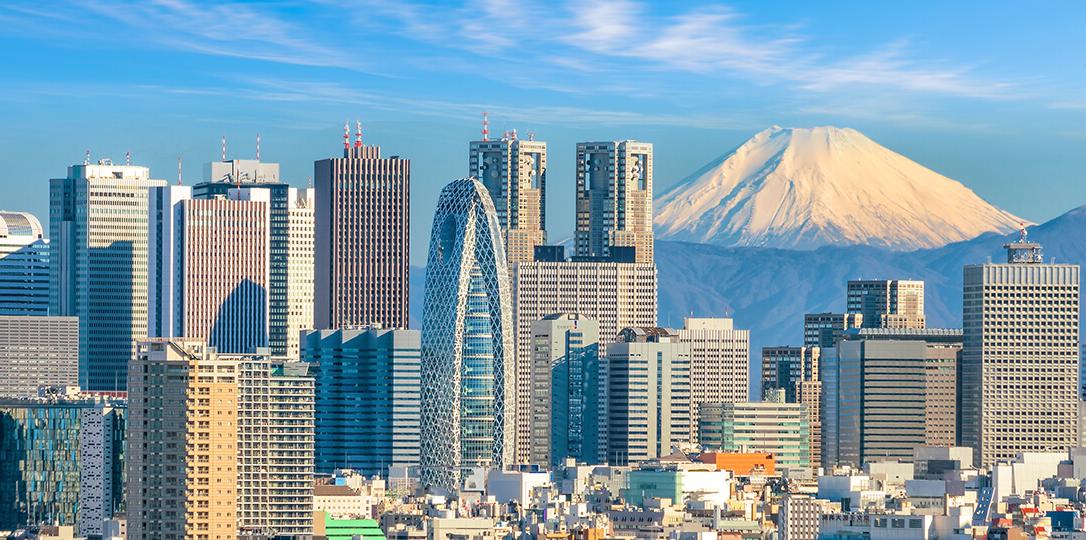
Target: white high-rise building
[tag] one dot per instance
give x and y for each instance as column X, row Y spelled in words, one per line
column 648, row 396
column 616, row 295
column 98, row 264
column 24, row 265
column 210, row 262
column 1020, row 358
column 299, row 269
column 719, row 362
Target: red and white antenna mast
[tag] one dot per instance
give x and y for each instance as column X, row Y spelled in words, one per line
column 358, row 134
column 486, row 126
column 346, row 137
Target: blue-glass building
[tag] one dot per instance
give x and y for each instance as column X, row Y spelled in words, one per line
column 61, row 461
column 467, row 340
column 367, row 398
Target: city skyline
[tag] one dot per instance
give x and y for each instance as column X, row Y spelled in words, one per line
column 999, row 114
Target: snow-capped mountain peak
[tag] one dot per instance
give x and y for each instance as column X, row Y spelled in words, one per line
column 803, row 188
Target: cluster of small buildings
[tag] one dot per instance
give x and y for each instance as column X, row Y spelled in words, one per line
column 248, row 371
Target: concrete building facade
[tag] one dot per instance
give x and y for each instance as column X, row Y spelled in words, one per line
column 362, row 238
column 1020, row 359
column 719, row 362
column 614, row 198
column 37, row 351
column 514, row 172
column 615, row 295
column 648, row 395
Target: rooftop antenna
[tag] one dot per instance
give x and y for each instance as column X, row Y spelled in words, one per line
column 224, row 147
column 514, row 134
column 346, row 137
column 531, row 135
column 309, row 181
column 258, row 147
column 86, row 158
column 486, row 126
column 179, row 170
column 128, row 157
column 358, row 134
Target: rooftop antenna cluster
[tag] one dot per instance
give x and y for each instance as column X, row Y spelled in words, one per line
column 486, row 126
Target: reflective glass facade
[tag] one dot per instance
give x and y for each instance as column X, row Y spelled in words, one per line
column 467, row 340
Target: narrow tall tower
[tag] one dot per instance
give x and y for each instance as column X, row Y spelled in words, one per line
column 362, row 238
column 1020, row 359
column 514, row 172
column 614, row 198
column 468, row 403
column 98, row 264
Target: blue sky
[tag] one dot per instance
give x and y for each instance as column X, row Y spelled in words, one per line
column 992, row 94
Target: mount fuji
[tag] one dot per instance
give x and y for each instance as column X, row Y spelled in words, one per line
column 804, row 188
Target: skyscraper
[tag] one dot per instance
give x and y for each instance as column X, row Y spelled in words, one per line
column 565, row 385
column 616, row 295
column 242, row 422
column 362, row 238
column 896, row 390
column 210, row 262
column 887, row 303
column 290, row 298
column 823, row 329
column 368, row 397
column 24, row 265
column 614, row 198
column 98, row 264
column 648, row 396
column 468, row 409
column 1020, row 356
column 514, row 172
column 719, row 362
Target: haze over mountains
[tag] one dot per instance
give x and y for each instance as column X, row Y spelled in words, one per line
column 803, row 188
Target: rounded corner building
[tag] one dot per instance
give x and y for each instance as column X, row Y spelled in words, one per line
column 467, row 340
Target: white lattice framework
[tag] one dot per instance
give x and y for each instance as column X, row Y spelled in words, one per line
column 468, row 395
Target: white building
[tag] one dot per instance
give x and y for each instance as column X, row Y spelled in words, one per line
column 515, row 486
column 799, row 518
column 299, row 290
column 24, row 265
column 1020, row 360
column 98, row 264
column 719, row 362
column 37, row 351
column 648, row 404
column 616, row 295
